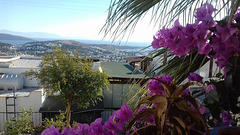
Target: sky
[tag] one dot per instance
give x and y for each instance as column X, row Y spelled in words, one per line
column 80, row 19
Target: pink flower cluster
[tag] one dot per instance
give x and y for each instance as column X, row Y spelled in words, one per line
column 226, row 118
column 205, row 35
column 115, row 123
column 156, row 87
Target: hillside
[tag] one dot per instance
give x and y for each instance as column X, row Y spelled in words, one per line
column 4, row 48
column 4, row 36
column 32, row 35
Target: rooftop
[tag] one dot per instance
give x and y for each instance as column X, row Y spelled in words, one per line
column 4, row 59
column 137, row 59
column 19, row 93
column 19, row 62
column 26, row 63
column 121, row 70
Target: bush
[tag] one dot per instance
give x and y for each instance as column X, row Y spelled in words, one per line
column 59, row 121
column 21, row 124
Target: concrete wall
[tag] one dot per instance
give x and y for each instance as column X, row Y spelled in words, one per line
column 34, row 100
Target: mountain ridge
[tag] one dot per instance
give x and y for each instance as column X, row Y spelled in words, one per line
column 32, row 35
column 4, row 36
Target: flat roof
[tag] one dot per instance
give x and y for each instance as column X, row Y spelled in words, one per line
column 137, row 59
column 121, row 70
column 26, row 63
column 19, row 93
column 8, row 59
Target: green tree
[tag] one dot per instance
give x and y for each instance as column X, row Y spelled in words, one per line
column 71, row 78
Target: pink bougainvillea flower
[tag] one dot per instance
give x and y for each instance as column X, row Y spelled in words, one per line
column 83, row 127
column 195, row 77
column 155, row 86
column 205, row 49
column 134, row 128
column 227, row 119
column 51, row 131
column 226, row 32
column 156, row 41
column 119, row 118
column 204, row 14
column 112, row 126
column 123, row 114
column 96, row 128
column 186, row 92
column 210, row 88
column 202, row 109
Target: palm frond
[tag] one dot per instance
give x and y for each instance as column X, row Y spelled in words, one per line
column 178, row 67
column 123, row 15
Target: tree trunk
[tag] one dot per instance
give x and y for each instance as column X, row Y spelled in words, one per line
column 68, row 110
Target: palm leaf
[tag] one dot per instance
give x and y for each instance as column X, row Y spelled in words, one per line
column 123, row 15
column 178, row 67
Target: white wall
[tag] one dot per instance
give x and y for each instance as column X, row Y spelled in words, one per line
column 28, row 82
column 34, row 100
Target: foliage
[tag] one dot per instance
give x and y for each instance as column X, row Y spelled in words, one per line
column 22, row 124
column 159, row 114
column 217, row 40
column 59, row 121
column 115, row 123
column 71, row 77
column 180, row 67
column 38, row 129
column 123, row 15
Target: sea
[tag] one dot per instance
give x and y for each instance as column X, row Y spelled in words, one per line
column 122, row 43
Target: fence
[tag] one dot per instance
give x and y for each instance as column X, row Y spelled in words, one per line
column 36, row 119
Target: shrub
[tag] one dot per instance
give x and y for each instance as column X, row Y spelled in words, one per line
column 21, row 124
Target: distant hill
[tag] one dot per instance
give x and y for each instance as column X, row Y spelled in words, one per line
column 33, row 35
column 4, row 36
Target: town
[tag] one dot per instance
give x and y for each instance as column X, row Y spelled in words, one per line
column 105, row 53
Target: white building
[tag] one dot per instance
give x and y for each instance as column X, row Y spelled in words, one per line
column 26, row 91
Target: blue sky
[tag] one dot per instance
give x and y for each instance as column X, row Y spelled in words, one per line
column 81, row 19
